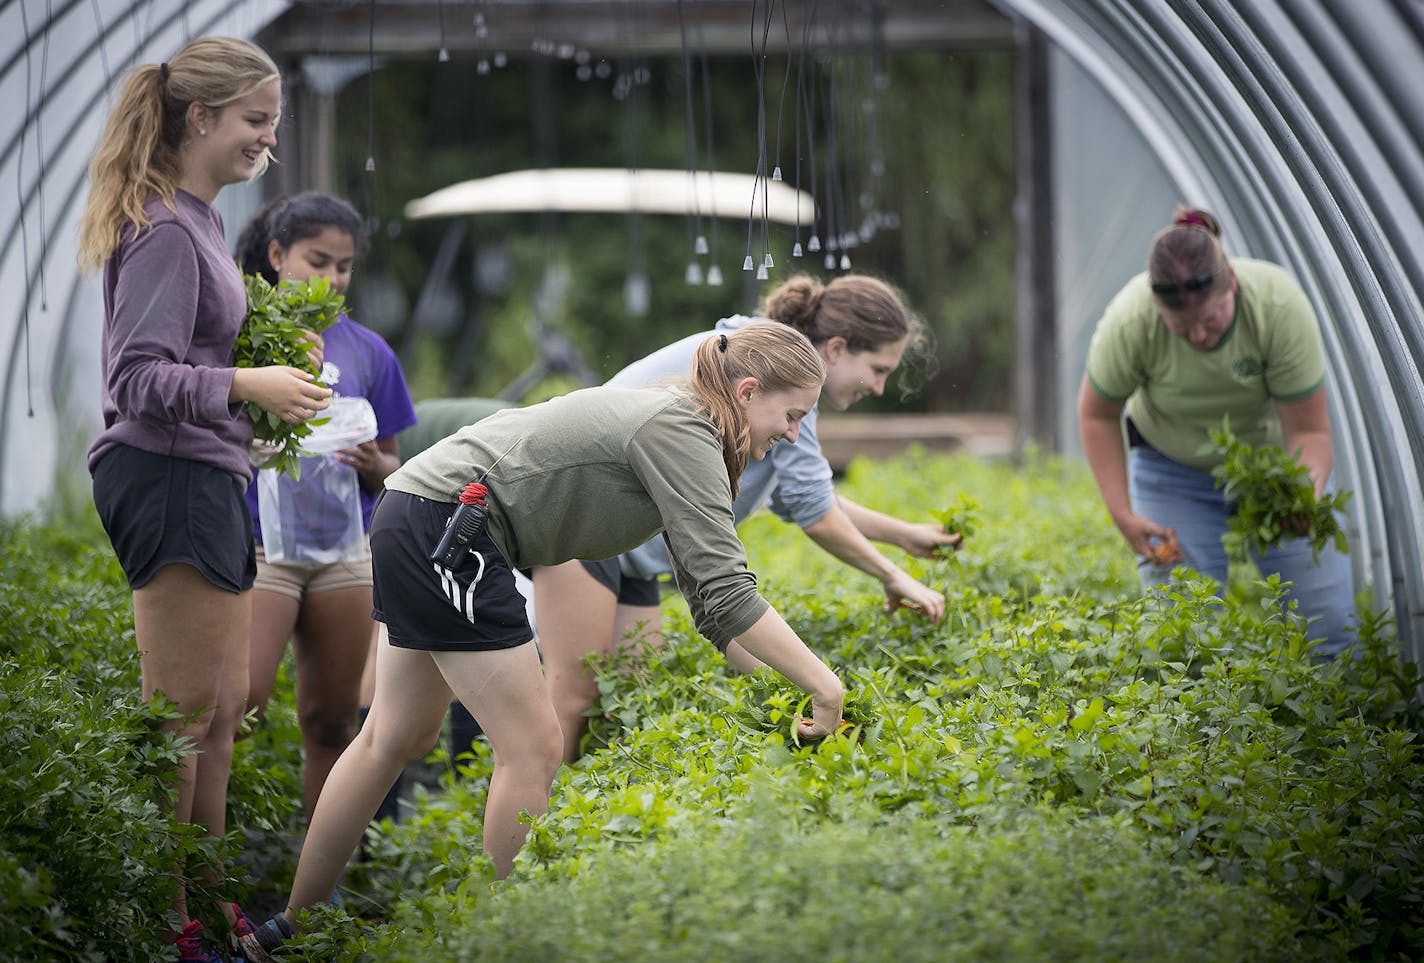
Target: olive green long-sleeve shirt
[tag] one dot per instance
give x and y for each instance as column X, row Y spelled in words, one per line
column 596, row 472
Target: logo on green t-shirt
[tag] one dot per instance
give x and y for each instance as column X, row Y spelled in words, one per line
column 1245, row 368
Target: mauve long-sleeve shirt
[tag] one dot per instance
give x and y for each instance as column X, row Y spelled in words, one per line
column 173, row 304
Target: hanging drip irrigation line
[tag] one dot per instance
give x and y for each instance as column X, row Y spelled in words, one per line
column 371, row 87
column 759, row 183
column 834, row 169
column 444, row 54
column 877, row 82
column 801, row 99
column 40, row 153
column 813, row 243
column 714, row 270
column 785, row 82
column 697, row 244
column 24, row 229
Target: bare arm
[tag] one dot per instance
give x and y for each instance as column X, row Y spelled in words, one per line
column 1100, row 426
column 772, row 642
column 921, row 540
column 1305, row 425
column 835, row 533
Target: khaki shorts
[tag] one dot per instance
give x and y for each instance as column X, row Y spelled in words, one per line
column 298, row 579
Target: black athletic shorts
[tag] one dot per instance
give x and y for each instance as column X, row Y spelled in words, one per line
column 160, row 510
column 473, row 607
column 630, row 590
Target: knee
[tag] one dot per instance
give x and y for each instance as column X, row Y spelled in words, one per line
column 328, row 730
column 398, row 748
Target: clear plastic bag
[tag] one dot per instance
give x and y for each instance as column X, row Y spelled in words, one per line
column 317, row 520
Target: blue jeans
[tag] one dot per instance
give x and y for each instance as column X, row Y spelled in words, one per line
column 1187, row 499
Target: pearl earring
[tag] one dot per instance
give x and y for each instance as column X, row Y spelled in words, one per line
column 202, row 132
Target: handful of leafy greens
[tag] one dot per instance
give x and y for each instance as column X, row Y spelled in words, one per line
column 1273, row 497
column 279, row 321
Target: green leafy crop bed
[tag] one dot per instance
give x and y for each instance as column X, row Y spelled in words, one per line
column 1058, row 771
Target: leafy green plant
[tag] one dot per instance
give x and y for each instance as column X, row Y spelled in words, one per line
column 1060, row 768
column 959, row 519
column 279, row 323
column 1273, row 498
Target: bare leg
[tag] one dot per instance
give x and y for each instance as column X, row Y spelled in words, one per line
column 193, row 641
column 410, row 703
column 506, row 693
column 333, row 635
column 576, row 615
column 274, row 619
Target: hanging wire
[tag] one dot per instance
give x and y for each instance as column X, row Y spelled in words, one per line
column 440, row 15
column 813, row 243
column 40, row 152
column 714, row 270
column 697, row 244
column 371, row 89
column 759, row 182
column 835, row 231
column 785, row 82
column 24, row 230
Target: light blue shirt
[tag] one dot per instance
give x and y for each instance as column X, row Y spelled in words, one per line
column 793, row 480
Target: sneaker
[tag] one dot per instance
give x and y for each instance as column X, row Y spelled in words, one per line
column 242, row 926
column 261, row 945
column 190, row 945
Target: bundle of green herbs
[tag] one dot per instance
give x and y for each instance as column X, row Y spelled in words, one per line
column 1273, row 496
column 278, row 329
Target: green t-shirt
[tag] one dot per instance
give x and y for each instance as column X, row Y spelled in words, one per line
column 1177, row 393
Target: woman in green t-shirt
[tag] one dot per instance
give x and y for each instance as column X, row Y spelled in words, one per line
column 1197, row 337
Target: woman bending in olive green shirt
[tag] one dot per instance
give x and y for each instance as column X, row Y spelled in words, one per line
column 586, row 476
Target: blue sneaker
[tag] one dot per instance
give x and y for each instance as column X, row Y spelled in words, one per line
column 264, row 943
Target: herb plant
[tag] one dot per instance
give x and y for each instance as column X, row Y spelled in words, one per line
column 1059, row 769
column 959, row 519
column 1273, row 497
column 277, row 331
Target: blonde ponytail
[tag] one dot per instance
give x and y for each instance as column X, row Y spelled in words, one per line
column 777, row 355
column 139, row 151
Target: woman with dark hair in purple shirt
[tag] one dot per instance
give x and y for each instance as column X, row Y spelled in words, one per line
column 318, row 594
column 171, row 463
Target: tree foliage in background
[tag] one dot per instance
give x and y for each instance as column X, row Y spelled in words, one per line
column 942, row 123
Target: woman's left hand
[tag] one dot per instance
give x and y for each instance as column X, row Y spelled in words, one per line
column 928, row 541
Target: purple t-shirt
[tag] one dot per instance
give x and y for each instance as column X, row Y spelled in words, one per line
column 357, row 363
column 174, row 302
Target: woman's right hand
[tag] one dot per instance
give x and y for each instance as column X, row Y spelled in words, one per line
column 825, row 717
column 1140, row 533
column 289, row 393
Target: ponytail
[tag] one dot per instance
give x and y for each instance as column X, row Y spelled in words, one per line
column 777, row 356
column 139, row 154
column 1188, row 249
column 865, row 311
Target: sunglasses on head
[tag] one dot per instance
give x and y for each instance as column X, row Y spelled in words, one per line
column 1179, row 289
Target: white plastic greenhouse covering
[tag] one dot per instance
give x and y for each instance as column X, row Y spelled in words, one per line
column 1297, row 121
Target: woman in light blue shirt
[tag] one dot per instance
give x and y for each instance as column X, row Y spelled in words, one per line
column 863, row 332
